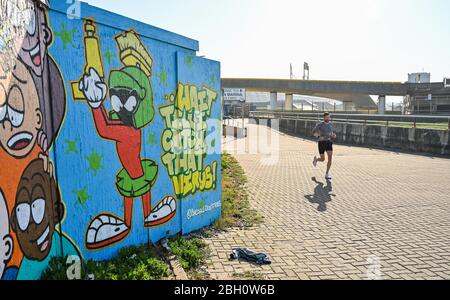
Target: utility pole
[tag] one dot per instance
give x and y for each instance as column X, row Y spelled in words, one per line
column 305, row 71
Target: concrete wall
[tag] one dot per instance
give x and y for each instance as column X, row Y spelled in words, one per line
column 234, row 131
column 94, row 151
column 415, row 140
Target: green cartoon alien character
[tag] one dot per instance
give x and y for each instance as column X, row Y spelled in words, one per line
column 131, row 97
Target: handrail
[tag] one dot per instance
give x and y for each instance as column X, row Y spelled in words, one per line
column 413, row 121
column 444, row 118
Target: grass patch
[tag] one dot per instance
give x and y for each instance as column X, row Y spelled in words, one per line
column 139, row 263
column 150, row 262
column 435, row 126
column 236, row 210
column 131, row 263
column 192, row 254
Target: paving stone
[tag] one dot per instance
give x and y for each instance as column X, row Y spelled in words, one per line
column 384, row 213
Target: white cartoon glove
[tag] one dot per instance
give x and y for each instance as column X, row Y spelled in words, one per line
column 93, row 88
column 48, row 165
column 42, row 140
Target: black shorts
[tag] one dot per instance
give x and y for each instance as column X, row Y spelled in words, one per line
column 325, row 146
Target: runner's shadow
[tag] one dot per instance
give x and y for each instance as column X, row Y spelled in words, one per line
column 322, row 194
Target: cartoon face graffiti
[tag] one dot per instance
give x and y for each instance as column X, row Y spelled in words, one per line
column 132, row 104
column 20, row 114
column 38, row 38
column 26, row 28
column 37, row 211
column 25, row 35
column 6, row 242
column 131, row 97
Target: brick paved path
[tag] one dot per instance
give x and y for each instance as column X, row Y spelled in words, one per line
column 385, row 215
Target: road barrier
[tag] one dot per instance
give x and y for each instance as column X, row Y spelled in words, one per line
column 370, row 133
column 406, row 121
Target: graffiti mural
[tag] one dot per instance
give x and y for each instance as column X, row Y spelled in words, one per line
column 96, row 113
column 35, row 219
column 32, row 107
column 6, row 242
column 184, row 140
column 131, row 96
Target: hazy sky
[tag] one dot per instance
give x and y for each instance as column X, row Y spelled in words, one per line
column 341, row 40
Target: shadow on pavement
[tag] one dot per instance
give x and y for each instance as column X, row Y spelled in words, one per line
column 322, row 194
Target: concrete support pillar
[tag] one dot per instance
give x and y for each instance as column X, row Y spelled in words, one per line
column 273, row 100
column 289, row 102
column 346, row 106
column 382, row 105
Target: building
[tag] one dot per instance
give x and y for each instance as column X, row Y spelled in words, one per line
column 419, row 78
column 427, row 97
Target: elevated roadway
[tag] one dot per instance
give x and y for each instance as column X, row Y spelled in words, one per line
column 356, row 92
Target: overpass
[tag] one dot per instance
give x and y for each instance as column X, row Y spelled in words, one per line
column 355, row 92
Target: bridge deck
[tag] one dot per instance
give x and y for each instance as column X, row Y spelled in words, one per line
column 318, row 86
column 348, row 91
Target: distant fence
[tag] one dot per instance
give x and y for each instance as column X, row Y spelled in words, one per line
column 367, row 132
column 307, row 109
column 233, row 128
column 431, row 109
column 406, row 121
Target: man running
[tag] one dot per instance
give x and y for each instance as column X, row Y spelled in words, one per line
column 325, row 132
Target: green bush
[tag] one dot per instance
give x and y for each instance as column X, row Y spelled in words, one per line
column 236, row 210
column 135, row 269
column 132, row 263
column 56, row 270
column 190, row 252
column 147, row 263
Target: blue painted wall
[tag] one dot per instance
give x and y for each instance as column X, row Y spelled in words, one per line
column 161, row 70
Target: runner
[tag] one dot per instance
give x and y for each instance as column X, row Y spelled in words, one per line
column 325, row 132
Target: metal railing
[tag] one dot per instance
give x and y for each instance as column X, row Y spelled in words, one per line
column 425, row 108
column 429, row 122
column 237, row 127
column 231, row 121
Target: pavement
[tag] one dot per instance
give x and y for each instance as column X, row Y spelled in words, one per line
column 385, row 215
